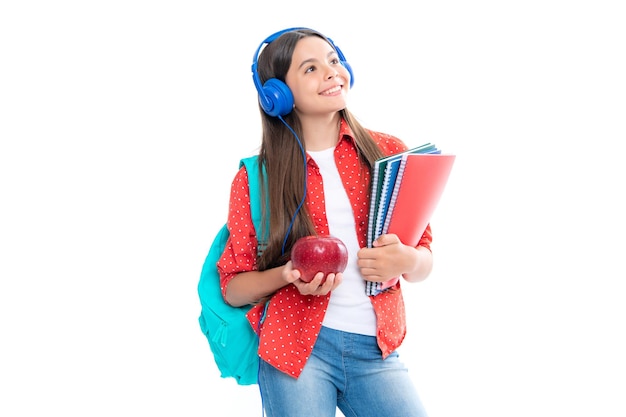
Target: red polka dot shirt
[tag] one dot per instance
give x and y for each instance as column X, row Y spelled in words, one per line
column 293, row 320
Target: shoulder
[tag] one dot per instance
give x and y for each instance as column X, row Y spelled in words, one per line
column 241, row 175
column 389, row 144
column 240, row 184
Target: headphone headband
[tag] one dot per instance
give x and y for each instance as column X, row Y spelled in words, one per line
column 275, row 97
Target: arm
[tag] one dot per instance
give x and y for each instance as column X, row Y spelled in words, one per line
column 258, row 286
column 240, row 281
column 254, row 286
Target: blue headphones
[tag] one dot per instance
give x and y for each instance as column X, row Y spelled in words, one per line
column 275, row 96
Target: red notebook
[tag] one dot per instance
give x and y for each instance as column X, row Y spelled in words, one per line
column 419, row 186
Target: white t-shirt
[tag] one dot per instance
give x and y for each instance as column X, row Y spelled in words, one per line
column 350, row 309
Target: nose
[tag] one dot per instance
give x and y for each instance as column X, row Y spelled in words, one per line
column 332, row 73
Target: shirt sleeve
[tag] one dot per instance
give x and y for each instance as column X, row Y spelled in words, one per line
column 427, row 238
column 240, row 252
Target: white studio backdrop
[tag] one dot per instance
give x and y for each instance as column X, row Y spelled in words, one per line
column 121, row 125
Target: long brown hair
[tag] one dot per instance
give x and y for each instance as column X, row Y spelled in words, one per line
column 282, row 156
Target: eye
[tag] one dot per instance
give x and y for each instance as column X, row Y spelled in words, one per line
column 334, row 61
column 309, row 69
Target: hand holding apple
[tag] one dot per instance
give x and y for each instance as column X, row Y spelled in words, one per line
column 313, row 254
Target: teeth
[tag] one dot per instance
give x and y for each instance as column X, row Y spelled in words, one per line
column 333, row 90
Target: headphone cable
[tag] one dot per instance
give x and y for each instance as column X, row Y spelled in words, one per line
column 305, row 180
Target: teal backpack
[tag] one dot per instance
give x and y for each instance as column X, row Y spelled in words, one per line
column 231, row 337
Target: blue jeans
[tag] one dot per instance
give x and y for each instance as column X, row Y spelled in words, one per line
column 346, row 370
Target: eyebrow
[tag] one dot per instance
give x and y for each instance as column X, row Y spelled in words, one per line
column 307, row 61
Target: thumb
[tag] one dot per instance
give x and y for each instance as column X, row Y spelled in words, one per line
column 387, row 239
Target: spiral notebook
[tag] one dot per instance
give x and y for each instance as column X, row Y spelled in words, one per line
column 383, row 182
column 406, row 189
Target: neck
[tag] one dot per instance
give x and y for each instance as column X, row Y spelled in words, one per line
column 321, row 133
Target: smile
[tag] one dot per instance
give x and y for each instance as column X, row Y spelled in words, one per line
column 331, row 91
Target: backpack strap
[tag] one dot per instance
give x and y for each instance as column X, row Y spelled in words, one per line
column 254, row 184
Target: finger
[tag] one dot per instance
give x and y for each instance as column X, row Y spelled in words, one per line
column 371, row 275
column 337, row 280
column 387, row 239
column 328, row 283
column 312, row 286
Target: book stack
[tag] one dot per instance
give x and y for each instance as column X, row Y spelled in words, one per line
column 406, row 188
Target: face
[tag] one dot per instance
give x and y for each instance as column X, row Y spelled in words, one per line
column 316, row 77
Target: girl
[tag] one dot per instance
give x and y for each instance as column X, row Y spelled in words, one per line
column 326, row 343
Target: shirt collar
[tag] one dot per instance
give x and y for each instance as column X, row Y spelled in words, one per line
column 345, row 134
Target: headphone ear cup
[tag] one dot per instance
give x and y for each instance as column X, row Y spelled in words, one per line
column 277, row 98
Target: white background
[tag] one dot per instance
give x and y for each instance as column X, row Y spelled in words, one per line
column 121, row 125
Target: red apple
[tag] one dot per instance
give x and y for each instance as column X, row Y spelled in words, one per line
column 313, row 254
